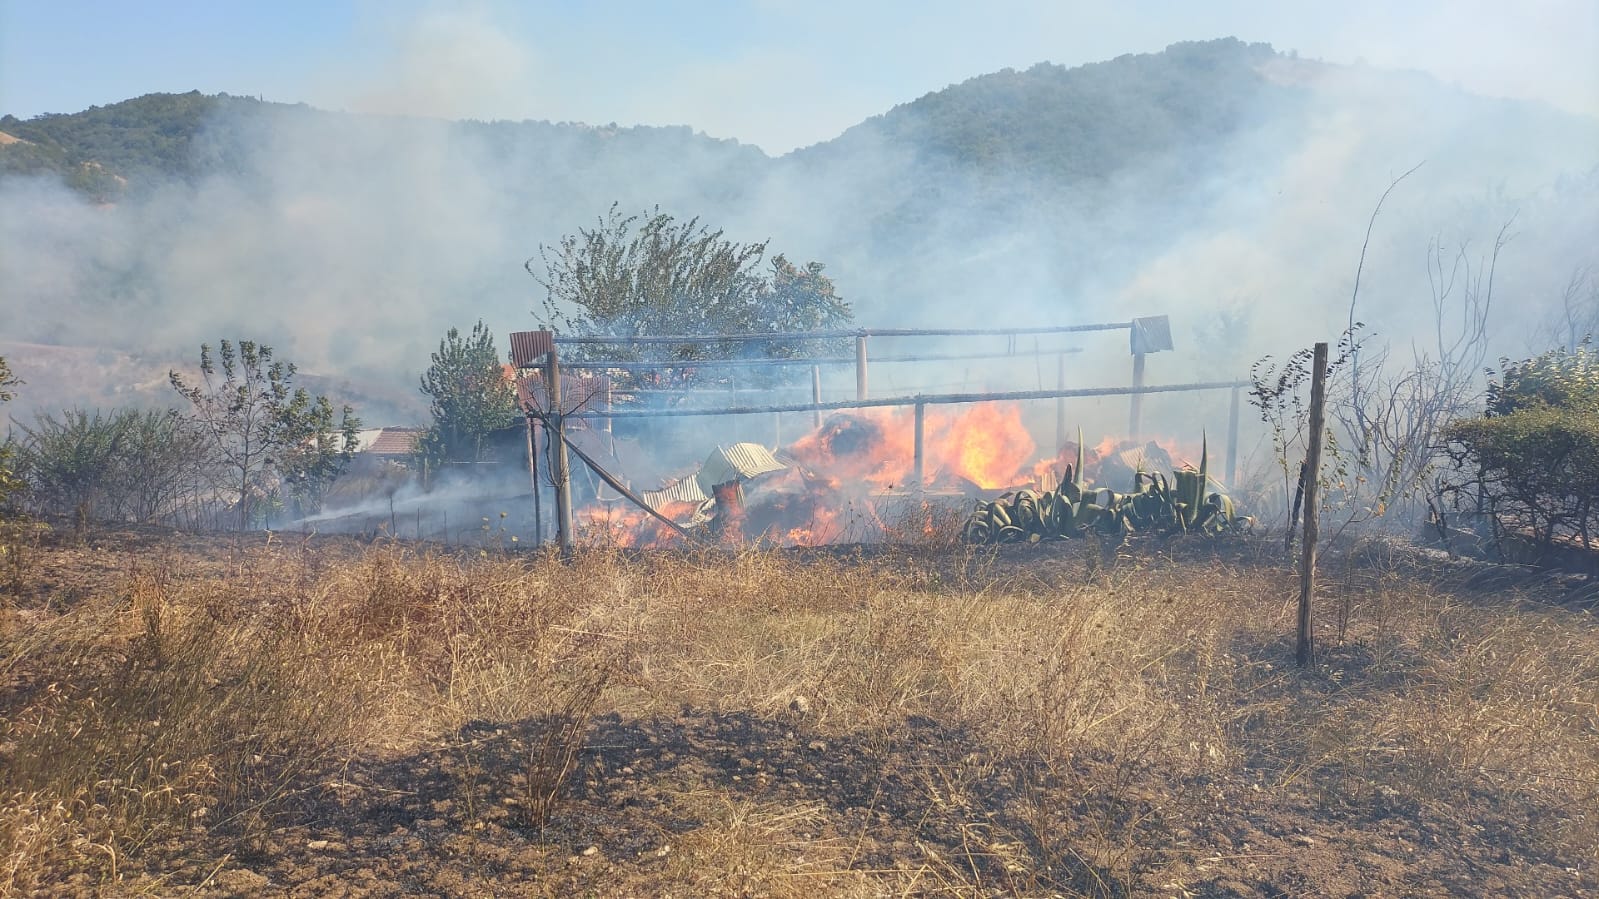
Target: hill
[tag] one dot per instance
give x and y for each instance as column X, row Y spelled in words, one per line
column 1222, row 182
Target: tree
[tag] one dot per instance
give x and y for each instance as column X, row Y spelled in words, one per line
column 470, row 397
column 634, row 276
column 267, row 434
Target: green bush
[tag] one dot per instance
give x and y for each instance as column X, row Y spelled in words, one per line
column 1533, row 457
column 122, row 465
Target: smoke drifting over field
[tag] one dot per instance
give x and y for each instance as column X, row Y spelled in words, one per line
column 352, row 241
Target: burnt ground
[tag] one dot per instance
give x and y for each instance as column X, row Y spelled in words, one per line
column 924, row 803
column 708, row 802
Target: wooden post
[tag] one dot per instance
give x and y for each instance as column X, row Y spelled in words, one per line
column 1232, row 439
column 1304, row 649
column 918, row 479
column 777, row 429
column 816, row 394
column 533, row 478
column 610, row 435
column 1135, row 413
column 860, row 367
column 560, row 473
column 1060, row 403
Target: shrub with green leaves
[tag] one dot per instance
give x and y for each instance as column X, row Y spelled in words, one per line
column 1533, row 457
column 1558, row 379
column 122, row 465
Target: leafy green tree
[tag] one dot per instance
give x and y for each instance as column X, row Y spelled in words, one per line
column 469, row 397
column 268, row 435
column 633, row 276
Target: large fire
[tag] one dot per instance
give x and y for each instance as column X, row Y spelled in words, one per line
column 984, row 444
column 850, row 480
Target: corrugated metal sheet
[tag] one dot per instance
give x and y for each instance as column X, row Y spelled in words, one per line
column 738, row 462
column 684, row 491
column 528, row 346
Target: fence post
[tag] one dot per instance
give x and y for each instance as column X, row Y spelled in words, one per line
column 816, row 394
column 560, row 472
column 860, row 367
column 533, row 478
column 1304, row 648
column 1060, row 402
column 1232, row 439
column 1135, row 414
column 918, row 464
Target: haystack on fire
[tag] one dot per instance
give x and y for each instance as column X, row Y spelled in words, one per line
column 612, row 455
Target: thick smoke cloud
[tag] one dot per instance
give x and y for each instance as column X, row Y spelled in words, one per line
column 352, row 241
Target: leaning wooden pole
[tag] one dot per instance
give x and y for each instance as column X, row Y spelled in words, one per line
column 1304, row 651
column 560, row 471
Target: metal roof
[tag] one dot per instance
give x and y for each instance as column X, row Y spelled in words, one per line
column 738, row 462
column 684, row 491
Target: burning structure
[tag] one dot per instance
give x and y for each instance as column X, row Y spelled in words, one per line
column 853, row 475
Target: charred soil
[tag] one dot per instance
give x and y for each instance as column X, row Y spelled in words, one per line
column 193, row 715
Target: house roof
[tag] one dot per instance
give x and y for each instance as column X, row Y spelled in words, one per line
column 388, row 441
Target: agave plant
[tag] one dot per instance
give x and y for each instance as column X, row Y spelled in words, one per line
column 1156, row 505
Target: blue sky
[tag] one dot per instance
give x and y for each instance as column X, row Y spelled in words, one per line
column 776, row 73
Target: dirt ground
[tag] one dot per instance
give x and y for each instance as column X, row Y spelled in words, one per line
column 723, row 796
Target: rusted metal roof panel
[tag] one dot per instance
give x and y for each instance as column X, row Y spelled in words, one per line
column 528, row 346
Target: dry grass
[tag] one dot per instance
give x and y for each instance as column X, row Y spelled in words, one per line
column 943, row 722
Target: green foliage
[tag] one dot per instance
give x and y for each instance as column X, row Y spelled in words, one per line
column 1537, row 469
column 92, row 150
column 1534, row 454
column 635, row 276
column 125, row 465
column 470, row 398
column 268, row 435
column 1156, row 505
column 68, row 463
column 1558, row 379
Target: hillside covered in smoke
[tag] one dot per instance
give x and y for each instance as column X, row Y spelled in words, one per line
column 1224, row 183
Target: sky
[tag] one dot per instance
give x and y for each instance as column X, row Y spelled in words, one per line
column 779, row 74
